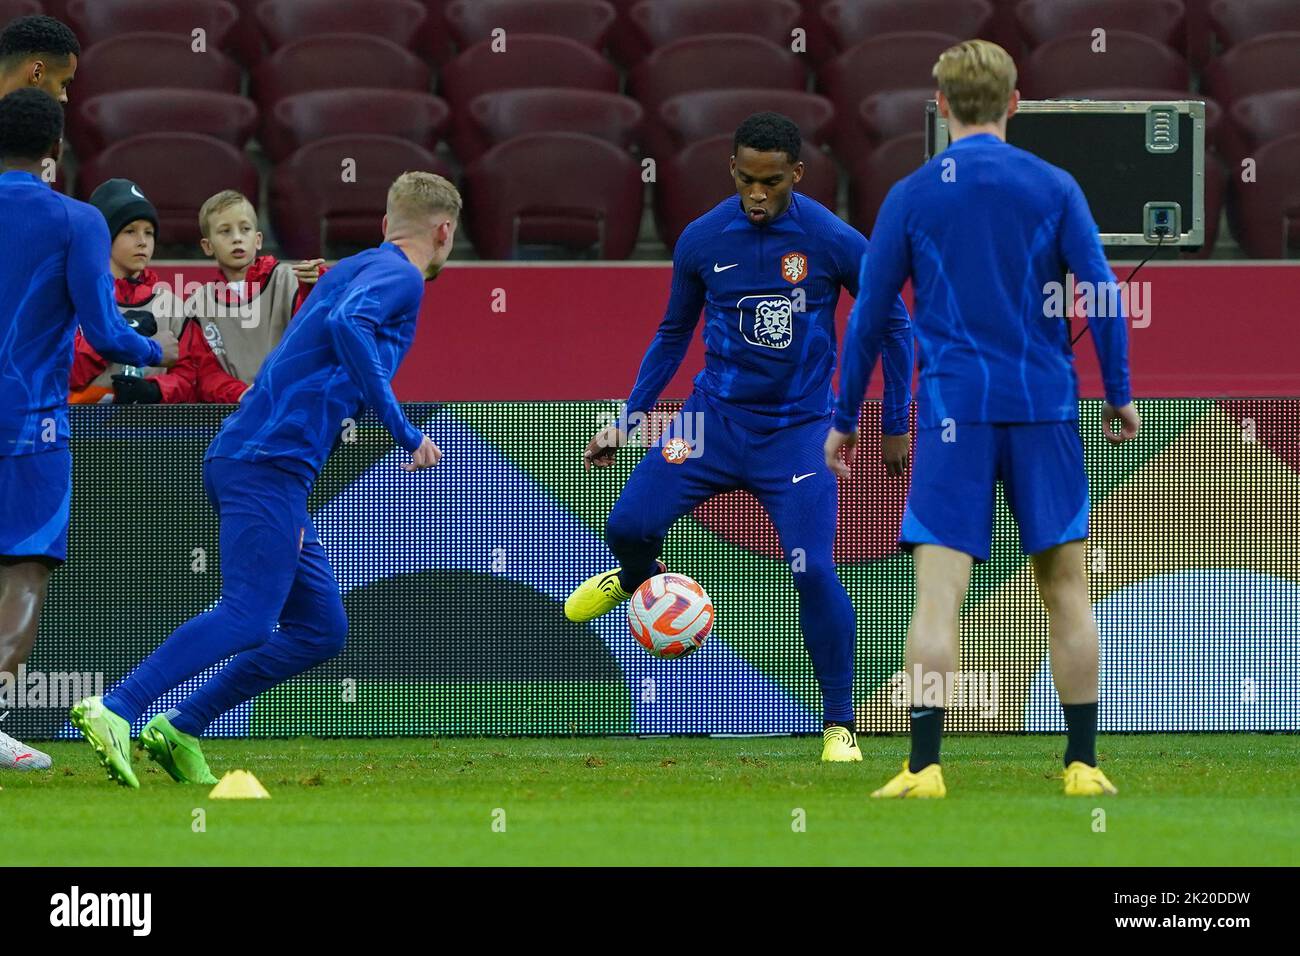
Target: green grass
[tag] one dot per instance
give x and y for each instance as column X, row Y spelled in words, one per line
column 1184, row 801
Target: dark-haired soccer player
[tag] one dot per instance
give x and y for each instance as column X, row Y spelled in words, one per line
column 984, row 230
column 766, row 266
column 280, row 612
column 38, row 51
column 53, row 275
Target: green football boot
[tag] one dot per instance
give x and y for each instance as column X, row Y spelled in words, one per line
column 175, row 751
column 109, row 737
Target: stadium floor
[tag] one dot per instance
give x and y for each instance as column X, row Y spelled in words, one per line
column 1185, row 800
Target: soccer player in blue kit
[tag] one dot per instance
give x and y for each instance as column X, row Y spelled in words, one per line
column 766, row 267
column 280, row 611
column 53, row 275
column 985, row 231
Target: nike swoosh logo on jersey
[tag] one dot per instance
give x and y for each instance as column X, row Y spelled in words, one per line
column 798, row 478
column 718, row 268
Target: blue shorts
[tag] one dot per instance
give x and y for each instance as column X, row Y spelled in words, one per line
column 953, row 492
column 35, row 503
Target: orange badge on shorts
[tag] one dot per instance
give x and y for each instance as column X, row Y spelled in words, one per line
column 794, row 267
column 676, row 451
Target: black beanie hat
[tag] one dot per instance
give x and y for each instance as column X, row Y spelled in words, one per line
column 121, row 203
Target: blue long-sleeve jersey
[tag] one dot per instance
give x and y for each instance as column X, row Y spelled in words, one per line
column 769, row 294
column 54, row 255
column 337, row 357
column 982, row 229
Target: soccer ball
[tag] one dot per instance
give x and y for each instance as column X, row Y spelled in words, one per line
column 670, row 615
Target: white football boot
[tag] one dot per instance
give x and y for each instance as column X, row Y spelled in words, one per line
column 17, row 756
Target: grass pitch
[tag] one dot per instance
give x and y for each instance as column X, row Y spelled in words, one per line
column 1185, row 800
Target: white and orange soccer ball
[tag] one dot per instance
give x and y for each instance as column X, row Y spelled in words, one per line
column 670, row 615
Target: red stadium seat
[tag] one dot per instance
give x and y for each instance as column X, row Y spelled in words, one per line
column 714, row 62
column 334, row 61
column 1259, row 119
column 98, row 122
column 852, row 21
column 1260, row 65
column 585, row 21
column 1213, row 111
column 303, row 118
column 13, row 9
column 1241, row 20
column 312, row 208
column 506, row 114
column 698, row 178
column 661, row 22
column 1199, row 36
column 893, row 113
column 894, row 62
column 96, row 20
column 876, row 173
column 1131, row 59
column 528, row 61
column 1043, row 20
column 1265, row 214
column 433, row 40
column 525, row 191
column 177, row 171
column 691, row 117
column 284, row 21
column 136, row 61
column 625, row 41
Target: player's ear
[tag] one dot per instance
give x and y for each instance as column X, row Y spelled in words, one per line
column 733, row 167
column 383, row 226
column 798, row 172
column 943, row 103
column 1014, row 104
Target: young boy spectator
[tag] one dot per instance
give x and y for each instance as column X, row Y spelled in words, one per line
column 244, row 314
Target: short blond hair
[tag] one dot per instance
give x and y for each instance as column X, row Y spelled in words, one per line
column 977, row 78
column 418, row 195
column 220, row 203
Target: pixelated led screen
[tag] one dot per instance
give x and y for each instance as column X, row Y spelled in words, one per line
column 454, row 582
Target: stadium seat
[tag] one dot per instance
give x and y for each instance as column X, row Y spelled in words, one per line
column 1199, row 37
column 96, row 20
column 661, row 22
column 177, row 171
column 110, row 117
column 302, row 118
column 505, row 114
column 1043, row 20
column 1259, row 119
column 312, row 208
column 337, row 61
column 893, row 113
column 528, row 61
column 1240, row 20
column 585, row 21
column 893, row 62
column 565, row 189
column 433, row 39
column 1213, row 111
column 1265, row 214
column 714, row 62
column 284, row 21
column 691, row 117
column 698, row 177
column 1266, row 63
column 1131, row 59
column 134, row 61
column 13, row 9
column 876, row 173
column 852, row 21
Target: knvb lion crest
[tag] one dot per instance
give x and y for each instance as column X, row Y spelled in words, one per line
column 794, row 267
column 767, row 320
column 676, row 451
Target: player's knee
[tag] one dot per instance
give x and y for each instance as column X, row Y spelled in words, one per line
column 814, row 574
column 333, row 634
column 623, row 529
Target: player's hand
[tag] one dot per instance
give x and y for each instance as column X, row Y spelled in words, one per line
column 894, row 450
column 603, row 447
column 308, row 270
column 426, row 456
column 1129, row 419
column 171, row 349
column 835, row 442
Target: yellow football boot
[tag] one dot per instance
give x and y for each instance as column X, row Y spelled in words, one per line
column 598, row 595
column 839, row 745
column 927, row 783
column 1084, row 781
